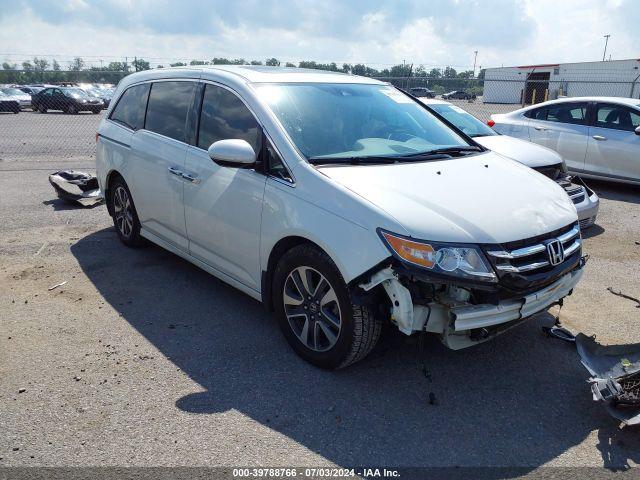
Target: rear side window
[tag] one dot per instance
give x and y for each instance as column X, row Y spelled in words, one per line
column 617, row 117
column 574, row 113
column 169, row 104
column 537, row 114
column 130, row 108
column 224, row 116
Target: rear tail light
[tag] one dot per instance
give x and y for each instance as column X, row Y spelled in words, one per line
column 491, row 123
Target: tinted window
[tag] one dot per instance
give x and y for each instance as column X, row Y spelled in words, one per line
column 537, row 114
column 617, row 117
column 224, row 116
column 130, row 108
column 574, row 113
column 275, row 166
column 169, row 104
column 463, row 120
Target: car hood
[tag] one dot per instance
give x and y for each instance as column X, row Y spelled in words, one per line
column 528, row 153
column 484, row 198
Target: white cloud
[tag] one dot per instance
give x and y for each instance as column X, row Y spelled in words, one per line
column 374, row 32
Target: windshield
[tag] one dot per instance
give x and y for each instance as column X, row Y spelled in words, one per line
column 463, row 120
column 355, row 120
column 13, row 91
column 76, row 92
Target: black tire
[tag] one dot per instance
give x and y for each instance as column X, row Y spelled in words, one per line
column 359, row 328
column 127, row 225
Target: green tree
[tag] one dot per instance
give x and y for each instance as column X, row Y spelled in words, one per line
column 289, row 64
column 140, row 64
column 450, row 72
column 256, row 62
column 198, row 62
column 435, row 73
column 55, row 65
column 272, row 62
column 76, row 64
column 178, row 64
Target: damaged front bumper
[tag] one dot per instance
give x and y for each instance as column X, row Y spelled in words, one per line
column 459, row 322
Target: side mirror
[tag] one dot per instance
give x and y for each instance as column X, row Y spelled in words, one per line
column 232, row 153
column 638, row 131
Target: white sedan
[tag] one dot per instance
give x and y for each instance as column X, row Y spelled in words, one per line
column 542, row 159
column 599, row 137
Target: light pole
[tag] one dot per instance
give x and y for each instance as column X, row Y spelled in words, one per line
column 475, row 58
column 606, row 42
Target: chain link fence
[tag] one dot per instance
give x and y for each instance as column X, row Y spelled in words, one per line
column 63, row 124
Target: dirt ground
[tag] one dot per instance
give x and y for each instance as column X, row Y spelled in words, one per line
column 140, row 358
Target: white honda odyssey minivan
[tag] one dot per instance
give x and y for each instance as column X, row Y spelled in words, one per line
column 338, row 201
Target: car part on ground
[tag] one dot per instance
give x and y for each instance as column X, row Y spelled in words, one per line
column 615, row 376
column 76, row 187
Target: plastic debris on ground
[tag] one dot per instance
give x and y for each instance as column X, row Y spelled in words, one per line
column 615, row 376
column 76, row 187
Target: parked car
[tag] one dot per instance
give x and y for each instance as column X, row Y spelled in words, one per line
column 541, row 159
column 599, row 137
column 458, row 95
column 30, row 89
column 422, row 92
column 67, row 99
column 24, row 99
column 9, row 103
column 383, row 214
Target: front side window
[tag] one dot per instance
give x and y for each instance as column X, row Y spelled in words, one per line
column 130, row 108
column 341, row 121
column 463, row 120
column 169, row 104
column 224, row 116
column 574, row 113
column 617, row 117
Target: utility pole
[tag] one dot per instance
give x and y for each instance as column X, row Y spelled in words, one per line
column 606, row 42
column 475, row 58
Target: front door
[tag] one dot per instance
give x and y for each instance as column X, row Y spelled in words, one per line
column 223, row 205
column 614, row 148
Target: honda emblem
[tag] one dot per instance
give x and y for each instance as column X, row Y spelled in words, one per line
column 555, row 250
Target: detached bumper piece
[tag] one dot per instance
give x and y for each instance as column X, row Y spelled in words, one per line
column 615, row 377
column 76, row 187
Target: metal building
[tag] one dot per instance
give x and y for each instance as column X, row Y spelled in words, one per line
column 534, row 83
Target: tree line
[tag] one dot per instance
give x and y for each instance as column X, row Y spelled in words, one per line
column 40, row 70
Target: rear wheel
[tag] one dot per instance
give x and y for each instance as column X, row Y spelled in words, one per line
column 125, row 217
column 316, row 313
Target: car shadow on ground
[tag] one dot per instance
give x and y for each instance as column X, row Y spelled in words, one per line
column 621, row 192
column 593, row 231
column 59, row 205
column 519, row 400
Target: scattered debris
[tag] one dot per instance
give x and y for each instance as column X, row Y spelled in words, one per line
column 615, row 376
column 53, row 287
column 22, row 390
column 560, row 333
column 77, row 378
column 628, row 297
column 76, row 187
column 44, row 245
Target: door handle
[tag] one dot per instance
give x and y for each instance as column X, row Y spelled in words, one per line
column 175, row 171
column 599, row 137
column 190, row 178
column 538, row 127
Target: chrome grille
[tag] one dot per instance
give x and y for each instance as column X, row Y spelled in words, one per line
column 533, row 257
column 577, row 193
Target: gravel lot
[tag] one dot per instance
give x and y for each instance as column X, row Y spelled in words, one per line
column 143, row 359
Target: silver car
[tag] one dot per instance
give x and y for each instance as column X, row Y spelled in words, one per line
column 598, row 137
column 24, row 99
column 541, row 159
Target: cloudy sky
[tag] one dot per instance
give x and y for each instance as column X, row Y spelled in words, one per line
column 375, row 32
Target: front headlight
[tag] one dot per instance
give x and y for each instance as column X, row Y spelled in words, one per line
column 465, row 261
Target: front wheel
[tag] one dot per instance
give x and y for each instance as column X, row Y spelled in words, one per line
column 316, row 313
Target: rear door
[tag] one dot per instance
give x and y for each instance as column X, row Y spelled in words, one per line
column 613, row 146
column 157, row 161
column 563, row 127
column 223, row 205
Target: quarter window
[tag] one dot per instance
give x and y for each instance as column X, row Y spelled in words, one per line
column 169, row 104
column 130, row 108
column 617, row 117
column 224, row 116
column 574, row 113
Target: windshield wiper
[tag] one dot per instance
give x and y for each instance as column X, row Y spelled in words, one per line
column 368, row 160
column 450, row 151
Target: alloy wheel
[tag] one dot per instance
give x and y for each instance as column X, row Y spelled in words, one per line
column 123, row 211
column 312, row 308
